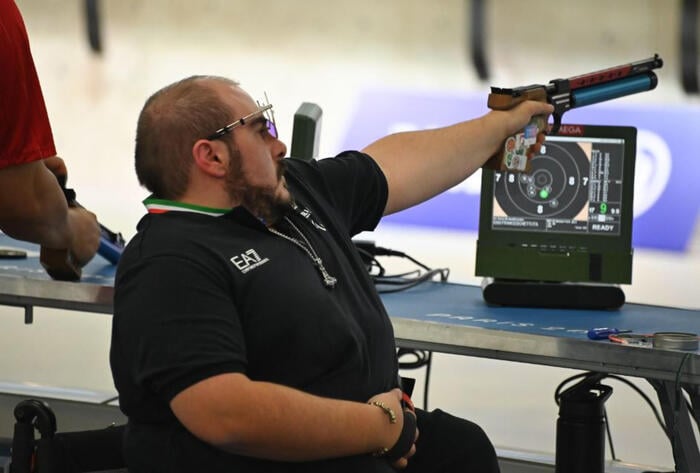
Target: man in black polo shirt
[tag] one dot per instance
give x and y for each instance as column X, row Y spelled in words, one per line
column 247, row 335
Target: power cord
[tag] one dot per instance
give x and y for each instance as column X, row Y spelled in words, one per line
column 111, row 399
column 676, row 405
column 369, row 252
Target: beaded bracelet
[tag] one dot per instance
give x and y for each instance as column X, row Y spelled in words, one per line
column 387, row 410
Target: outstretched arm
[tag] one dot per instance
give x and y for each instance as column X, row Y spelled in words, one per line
column 421, row 164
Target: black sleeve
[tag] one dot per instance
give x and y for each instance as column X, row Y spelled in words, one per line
column 179, row 323
column 357, row 189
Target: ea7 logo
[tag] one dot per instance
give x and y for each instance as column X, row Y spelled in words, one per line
column 248, row 260
column 306, row 213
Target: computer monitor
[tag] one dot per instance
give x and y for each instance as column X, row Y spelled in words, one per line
column 568, row 221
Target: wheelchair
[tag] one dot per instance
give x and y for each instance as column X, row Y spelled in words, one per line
column 62, row 452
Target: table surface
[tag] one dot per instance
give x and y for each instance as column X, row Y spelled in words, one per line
column 448, row 318
column 453, row 318
column 24, row 282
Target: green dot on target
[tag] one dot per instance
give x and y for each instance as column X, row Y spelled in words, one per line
column 544, row 194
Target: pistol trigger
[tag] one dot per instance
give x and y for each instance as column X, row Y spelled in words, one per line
column 556, row 125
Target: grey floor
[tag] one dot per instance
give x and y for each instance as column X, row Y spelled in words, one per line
column 326, row 53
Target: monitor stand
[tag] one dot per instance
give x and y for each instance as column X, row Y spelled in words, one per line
column 562, row 295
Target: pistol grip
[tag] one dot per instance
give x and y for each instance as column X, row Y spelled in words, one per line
column 512, row 154
column 59, row 264
column 505, row 99
column 498, row 101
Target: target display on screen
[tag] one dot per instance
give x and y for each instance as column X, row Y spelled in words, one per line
column 575, row 186
column 569, row 218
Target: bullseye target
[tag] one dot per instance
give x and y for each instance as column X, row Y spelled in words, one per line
column 557, row 186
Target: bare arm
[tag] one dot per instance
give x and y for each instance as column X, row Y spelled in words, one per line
column 275, row 422
column 33, row 208
column 421, row 164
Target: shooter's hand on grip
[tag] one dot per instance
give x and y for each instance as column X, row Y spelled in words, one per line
column 525, row 124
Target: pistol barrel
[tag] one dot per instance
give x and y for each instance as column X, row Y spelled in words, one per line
column 613, row 90
column 615, row 73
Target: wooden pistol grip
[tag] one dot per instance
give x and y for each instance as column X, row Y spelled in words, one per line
column 59, row 264
column 498, row 101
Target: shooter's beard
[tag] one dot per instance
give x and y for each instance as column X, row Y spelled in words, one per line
column 267, row 203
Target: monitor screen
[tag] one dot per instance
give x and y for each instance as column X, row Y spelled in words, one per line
column 570, row 218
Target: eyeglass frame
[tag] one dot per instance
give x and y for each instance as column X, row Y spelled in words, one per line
column 269, row 122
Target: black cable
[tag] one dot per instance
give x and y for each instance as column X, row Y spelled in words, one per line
column 410, row 258
column 609, row 434
column 376, row 270
column 371, row 262
column 111, row 399
column 691, row 409
column 397, row 278
column 369, row 251
column 404, row 283
column 427, row 380
column 565, row 382
column 659, row 420
column 676, row 406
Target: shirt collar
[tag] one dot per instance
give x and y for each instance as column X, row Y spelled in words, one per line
column 159, row 206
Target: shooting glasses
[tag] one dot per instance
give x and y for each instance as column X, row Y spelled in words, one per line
column 264, row 111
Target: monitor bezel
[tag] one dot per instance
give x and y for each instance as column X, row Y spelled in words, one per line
column 511, row 239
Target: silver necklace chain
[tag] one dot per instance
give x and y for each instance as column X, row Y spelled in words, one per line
column 328, row 280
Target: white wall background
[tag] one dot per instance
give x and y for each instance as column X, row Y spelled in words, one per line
column 326, row 52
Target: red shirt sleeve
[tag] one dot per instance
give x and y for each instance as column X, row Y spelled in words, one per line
column 25, row 131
